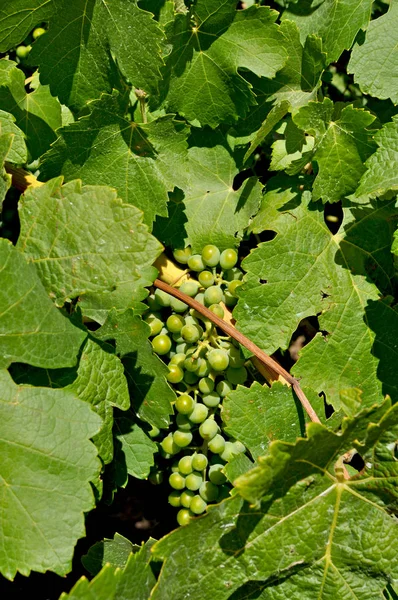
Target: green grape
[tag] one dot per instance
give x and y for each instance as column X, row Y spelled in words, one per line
column 229, row 451
column 38, row 32
column 191, row 320
column 183, row 517
column 177, row 305
column 211, row 255
column 239, row 447
column 162, row 298
column 193, row 481
column 237, row 376
column 206, row 279
column 185, row 465
column 190, row 287
column 182, row 438
column 178, row 359
column 211, row 400
column 200, row 298
column 203, row 369
column 186, row 498
column 185, row 404
column 154, row 323
column 175, row 374
column 198, row 505
column 182, row 255
column 154, row 432
column 183, row 422
column 236, row 360
column 228, row 259
column 232, row 274
column 182, row 348
column 175, row 499
column 216, row 475
column 218, row 359
column 191, row 364
column 213, row 295
column 168, row 445
column 209, row 491
column 223, row 388
column 177, row 481
column 175, row 323
column 195, row 263
column 23, row 51
column 232, row 287
column 208, row 429
column 191, row 333
column 206, row 385
column 217, row 310
column 217, row 444
column 190, row 378
column 153, row 304
column 178, row 338
column 199, row 413
column 199, row 462
column 229, row 299
column 161, row 344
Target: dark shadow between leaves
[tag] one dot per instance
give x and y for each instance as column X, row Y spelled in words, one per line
column 138, row 383
column 171, row 230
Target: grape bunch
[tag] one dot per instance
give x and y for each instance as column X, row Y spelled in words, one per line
column 204, row 366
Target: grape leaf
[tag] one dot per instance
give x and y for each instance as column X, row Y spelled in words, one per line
column 6, row 141
column 18, row 18
column 75, row 55
column 134, row 449
column 294, row 147
column 342, row 277
column 115, row 551
column 274, row 116
column 17, row 153
column 32, row 330
column 134, row 582
column 381, row 174
column 37, row 113
column 74, row 255
column 209, row 45
column 342, row 144
column 374, row 60
column 306, row 538
column 147, row 160
column 45, row 497
column 151, row 396
column 336, row 22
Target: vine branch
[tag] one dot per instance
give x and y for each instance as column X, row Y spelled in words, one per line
column 244, row 341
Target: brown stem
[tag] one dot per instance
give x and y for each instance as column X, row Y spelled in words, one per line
column 21, row 179
column 244, row 341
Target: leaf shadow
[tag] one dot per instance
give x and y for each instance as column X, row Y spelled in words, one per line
column 138, row 382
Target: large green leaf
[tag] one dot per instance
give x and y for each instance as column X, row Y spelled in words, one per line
column 151, row 396
column 341, row 277
column 32, row 330
column 75, row 57
column 17, row 153
column 18, row 18
column 210, row 44
column 306, row 539
column 342, row 144
column 134, row 449
column 46, row 468
column 83, row 238
column 142, row 161
column 115, row 551
column 374, row 60
column 337, row 22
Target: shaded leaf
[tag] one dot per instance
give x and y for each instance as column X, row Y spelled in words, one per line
column 134, row 449
column 115, row 551
column 17, row 153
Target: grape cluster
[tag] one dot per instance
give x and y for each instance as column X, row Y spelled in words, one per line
column 204, row 366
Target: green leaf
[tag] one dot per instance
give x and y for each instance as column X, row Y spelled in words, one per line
column 381, row 173
column 209, row 46
column 342, row 144
column 116, row 552
column 6, row 141
column 341, row 277
column 374, row 60
column 151, row 396
column 306, row 538
column 336, row 22
column 147, row 159
column 45, row 497
column 17, row 153
column 292, row 150
column 74, row 255
column 18, row 18
column 32, row 330
column 237, row 466
column 274, row 116
column 134, row 449
column 75, row 56
column 37, row 113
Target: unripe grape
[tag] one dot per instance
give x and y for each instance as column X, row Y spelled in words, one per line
column 232, row 274
column 223, row 388
column 195, row 263
column 206, row 279
column 154, row 323
column 211, row 400
column 236, row 360
column 38, row 32
column 208, row 429
column 191, row 333
column 182, row 255
column 199, row 462
column 228, row 259
column 183, row 422
column 199, row 413
column 190, row 288
column 213, row 295
column 217, row 310
column 183, row 517
column 162, row 298
column 193, row 481
column 211, row 255
column 23, row 51
column 200, row 298
column 175, row 374
column 168, row 445
column 209, row 491
column 161, row 344
column 178, row 359
column 230, row 300
column 203, row 369
column 177, row 481
column 218, row 359
column 198, row 505
column 182, row 438
column 183, row 348
column 229, row 451
column 232, row 287
column 154, row 432
column 177, row 305
column 239, row 447
column 185, row 465
column 153, row 304
column 206, row 385
column 186, row 498
column 190, row 378
column 191, row 364
column 217, row 444
column 216, row 475
column 237, row 376
column 185, row 404
column 175, row 323
column 175, row 499
column 155, row 477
